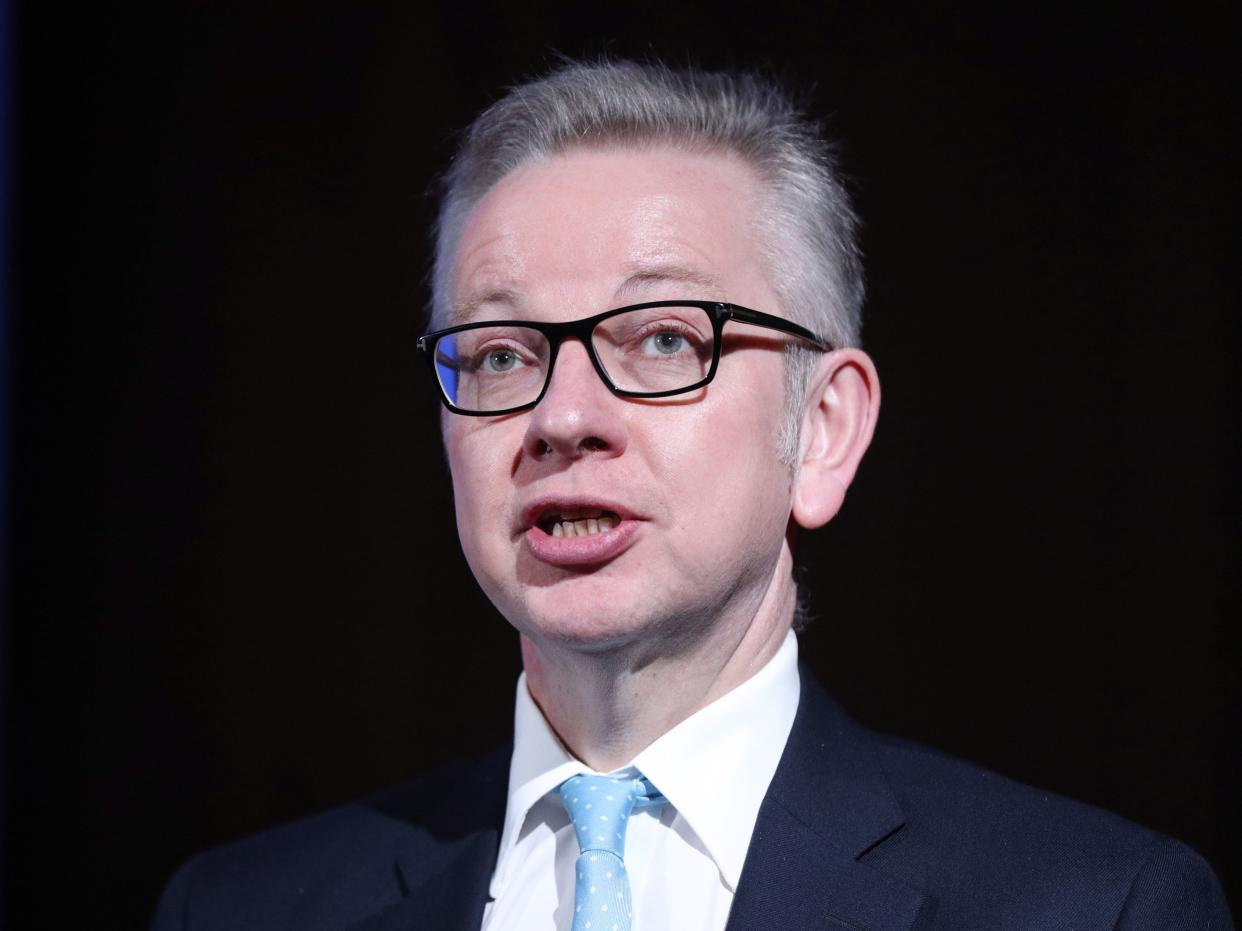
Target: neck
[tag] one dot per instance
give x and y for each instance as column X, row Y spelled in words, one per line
column 608, row 707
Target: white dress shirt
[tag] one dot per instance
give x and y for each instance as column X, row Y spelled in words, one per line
column 684, row 861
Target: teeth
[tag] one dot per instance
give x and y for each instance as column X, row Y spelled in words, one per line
column 577, row 514
column 584, row 527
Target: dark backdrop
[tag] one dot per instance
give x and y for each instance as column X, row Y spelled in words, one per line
column 237, row 595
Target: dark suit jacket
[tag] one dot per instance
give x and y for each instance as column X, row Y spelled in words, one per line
column 857, row 831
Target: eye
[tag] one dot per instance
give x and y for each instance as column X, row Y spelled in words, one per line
column 500, row 360
column 665, row 342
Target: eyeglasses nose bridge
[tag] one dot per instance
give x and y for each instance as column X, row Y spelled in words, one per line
column 583, row 337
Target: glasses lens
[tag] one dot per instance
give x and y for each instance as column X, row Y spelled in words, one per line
column 655, row 349
column 492, row 368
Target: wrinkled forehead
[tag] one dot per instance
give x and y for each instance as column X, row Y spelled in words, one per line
column 608, row 226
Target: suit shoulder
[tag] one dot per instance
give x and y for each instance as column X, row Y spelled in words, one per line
column 976, row 806
column 375, row 826
column 309, row 873
column 1038, row 852
column 1175, row 890
column 934, row 785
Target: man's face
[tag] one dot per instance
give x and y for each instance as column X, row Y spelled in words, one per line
column 699, row 498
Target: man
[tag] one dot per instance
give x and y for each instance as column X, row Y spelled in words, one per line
column 645, row 330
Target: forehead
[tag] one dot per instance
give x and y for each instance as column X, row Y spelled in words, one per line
column 594, row 228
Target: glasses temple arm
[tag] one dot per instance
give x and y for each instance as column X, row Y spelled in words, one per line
column 759, row 318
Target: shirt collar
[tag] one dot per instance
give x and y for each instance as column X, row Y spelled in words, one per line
column 714, row 767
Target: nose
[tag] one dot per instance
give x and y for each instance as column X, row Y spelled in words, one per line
column 578, row 416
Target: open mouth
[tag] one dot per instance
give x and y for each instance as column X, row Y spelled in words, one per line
column 578, row 532
column 577, row 522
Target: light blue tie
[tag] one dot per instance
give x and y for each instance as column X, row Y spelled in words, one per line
column 600, row 807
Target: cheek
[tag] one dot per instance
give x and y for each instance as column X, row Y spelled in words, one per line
column 720, row 475
column 756, row 487
column 480, row 476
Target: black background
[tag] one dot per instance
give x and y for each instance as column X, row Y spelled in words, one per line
column 236, row 590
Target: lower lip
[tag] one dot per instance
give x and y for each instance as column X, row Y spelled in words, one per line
column 582, row 551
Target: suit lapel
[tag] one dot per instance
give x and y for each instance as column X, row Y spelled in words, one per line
column 443, row 871
column 450, row 898
column 829, row 803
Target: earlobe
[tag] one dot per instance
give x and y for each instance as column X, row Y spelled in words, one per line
column 817, row 498
column 838, row 421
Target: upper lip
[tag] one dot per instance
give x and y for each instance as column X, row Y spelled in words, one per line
column 536, row 509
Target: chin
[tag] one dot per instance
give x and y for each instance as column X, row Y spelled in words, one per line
column 638, row 627
column 592, row 632
column 581, row 622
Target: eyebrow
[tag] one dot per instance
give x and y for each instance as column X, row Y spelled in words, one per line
column 636, row 281
column 662, row 274
column 461, row 311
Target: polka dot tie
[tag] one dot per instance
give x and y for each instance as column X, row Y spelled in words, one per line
column 600, row 807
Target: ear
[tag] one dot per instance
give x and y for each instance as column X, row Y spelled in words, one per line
column 838, row 420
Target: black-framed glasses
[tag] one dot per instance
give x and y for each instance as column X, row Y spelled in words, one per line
column 650, row 350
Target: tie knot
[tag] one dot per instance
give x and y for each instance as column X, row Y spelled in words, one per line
column 600, row 807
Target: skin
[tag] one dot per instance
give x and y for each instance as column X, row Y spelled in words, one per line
column 618, row 653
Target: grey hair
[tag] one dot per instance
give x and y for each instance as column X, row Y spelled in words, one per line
column 806, row 223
